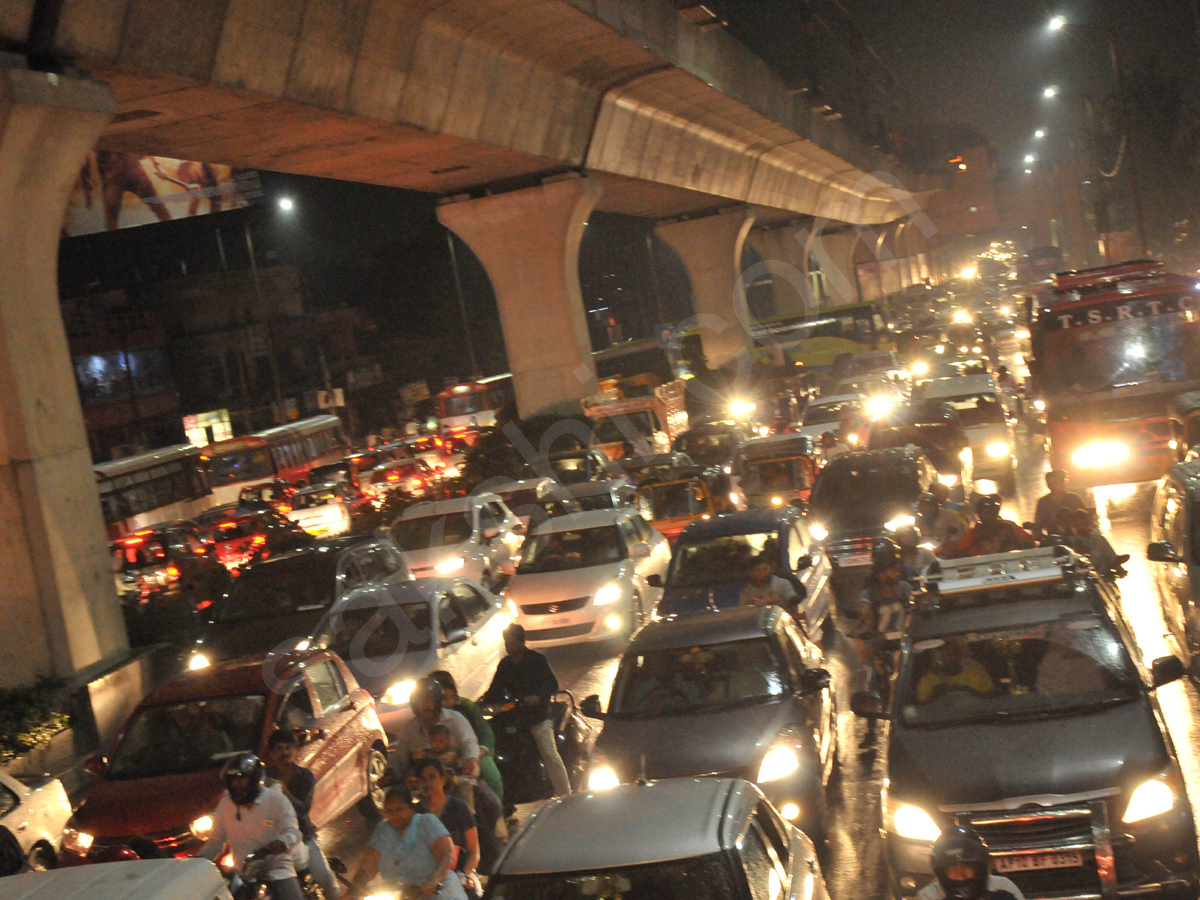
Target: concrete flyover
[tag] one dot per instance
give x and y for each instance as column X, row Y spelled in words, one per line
column 530, row 113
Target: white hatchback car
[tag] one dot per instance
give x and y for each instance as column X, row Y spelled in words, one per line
column 585, row 577
column 470, row 536
column 36, row 811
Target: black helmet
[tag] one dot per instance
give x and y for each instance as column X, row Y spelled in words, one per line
column 885, row 554
column 989, row 504
column 244, row 765
column 960, row 847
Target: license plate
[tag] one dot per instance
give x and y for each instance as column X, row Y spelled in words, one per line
column 854, row 559
column 562, row 620
column 1033, row 861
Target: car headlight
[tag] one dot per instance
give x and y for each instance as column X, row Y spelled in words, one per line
column 399, row 693
column 512, row 609
column 777, row 501
column 199, row 661
column 1150, row 798
column 948, row 480
column 900, row 522
column 1097, row 454
column 1021, row 334
column 911, row 822
column 447, row 566
column 382, row 895
column 734, row 498
column 976, row 349
column 77, row 841
column 610, row 593
column 818, row 533
column 963, row 349
column 965, row 456
column 879, row 406
column 202, row 827
column 739, row 409
column 920, row 368
column 728, row 470
column 997, row 449
column 450, row 472
column 852, row 439
column 602, row 778
column 779, row 762
column 940, row 348
column 1039, row 405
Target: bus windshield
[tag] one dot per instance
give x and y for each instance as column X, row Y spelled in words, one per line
column 464, row 404
column 241, row 465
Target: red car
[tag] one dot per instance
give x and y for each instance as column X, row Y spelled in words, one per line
column 240, row 535
column 164, row 778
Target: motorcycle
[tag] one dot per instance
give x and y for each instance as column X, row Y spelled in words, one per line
column 517, row 754
column 246, row 882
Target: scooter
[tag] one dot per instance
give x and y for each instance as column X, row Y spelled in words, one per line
column 246, row 882
column 517, row 754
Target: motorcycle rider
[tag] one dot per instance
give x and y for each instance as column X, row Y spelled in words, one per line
column 1048, row 505
column 298, row 784
column 937, row 522
column 888, row 587
column 250, row 817
column 912, row 554
column 526, row 675
column 960, row 862
column 991, row 534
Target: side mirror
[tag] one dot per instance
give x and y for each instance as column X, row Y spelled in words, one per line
column 454, row 634
column 519, row 528
column 1161, row 551
column 639, row 551
column 590, row 707
column 813, row 680
column 1166, row 669
column 655, row 580
column 804, row 562
column 95, row 765
column 867, row 705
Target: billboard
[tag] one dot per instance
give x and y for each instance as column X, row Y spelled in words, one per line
column 122, row 190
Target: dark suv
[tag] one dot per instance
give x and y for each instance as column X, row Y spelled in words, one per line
column 936, row 429
column 1024, row 708
column 165, row 562
column 859, row 497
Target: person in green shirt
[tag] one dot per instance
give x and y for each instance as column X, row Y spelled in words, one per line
column 488, row 770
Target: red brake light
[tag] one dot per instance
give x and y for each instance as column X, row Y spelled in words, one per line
column 172, row 572
column 228, row 525
column 285, row 507
column 258, row 540
column 134, row 541
column 393, row 476
column 416, row 482
column 204, row 604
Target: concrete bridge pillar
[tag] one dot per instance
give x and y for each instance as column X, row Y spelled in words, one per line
column 784, row 255
column 711, row 251
column 58, row 603
column 528, row 241
column 833, row 252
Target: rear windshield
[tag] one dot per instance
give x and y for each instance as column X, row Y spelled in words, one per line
column 721, row 559
column 423, row 532
column 280, row 588
column 312, row 499
column 701, row 878
column 826, row 413
column 844, row 493
column 381, row 632
column 675, row 500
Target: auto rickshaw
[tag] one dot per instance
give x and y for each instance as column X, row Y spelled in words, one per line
column 777, row 471
column 1185, row 425
column 673, row 500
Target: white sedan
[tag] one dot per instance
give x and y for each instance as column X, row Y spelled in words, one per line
column 36, row 811
column 587, row 577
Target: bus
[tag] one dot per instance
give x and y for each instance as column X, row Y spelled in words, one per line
column 286, row 452
column 1111, row 348
column 160, row 486
column 468, row 406
column 816, row 341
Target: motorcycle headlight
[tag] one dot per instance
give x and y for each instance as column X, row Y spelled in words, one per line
column 77, row 841
column 910, row 822
column 199, row 661
column 948, row 480
column 1039, row 405
column 965, row 456
column 900, row 522
column 1150, row 798
column 779, row 762
column 997, row 449
column 818, row 533
column 399, row 693
column 602, row 778
column 920, row 368
column 608, row 594
column 449, row 566
column 202, row 827
column 1097, row 454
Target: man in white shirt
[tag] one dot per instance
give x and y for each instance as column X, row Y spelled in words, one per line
column 252, row 817
column 766, row 588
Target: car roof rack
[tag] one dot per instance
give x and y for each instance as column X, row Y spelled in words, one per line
column 1015, row 569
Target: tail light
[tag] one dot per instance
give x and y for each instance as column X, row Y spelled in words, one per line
column 416, row 482
column 393, row 476
column 172, row 571
column 134, row 541
column 204, row 604
column 258, row 540
column 285, row 507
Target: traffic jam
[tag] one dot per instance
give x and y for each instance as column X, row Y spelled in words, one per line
column 912, row 617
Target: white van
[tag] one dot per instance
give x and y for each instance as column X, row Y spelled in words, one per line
column 980, row 407
column 143, row 879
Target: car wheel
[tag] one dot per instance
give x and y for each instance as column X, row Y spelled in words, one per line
column 42, row 858
column 376, row 769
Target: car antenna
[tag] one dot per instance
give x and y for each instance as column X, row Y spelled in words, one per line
column 642, row 779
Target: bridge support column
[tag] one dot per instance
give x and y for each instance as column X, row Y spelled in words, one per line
column 528, row 241
column 833, row 254
column 711, row 251
column 790, row 285
column 57, row 599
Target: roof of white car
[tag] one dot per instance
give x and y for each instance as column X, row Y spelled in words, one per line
column 957, row 386
column 592, row 518
column 677, row 818
column 834, row 398
column 446, row 507
column 147, row 879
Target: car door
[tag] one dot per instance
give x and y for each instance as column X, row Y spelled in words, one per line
column 336, row 758
column 1170, row 516
column 473, row 660
column 813, row 577
column 767, row 876
column 802, row 654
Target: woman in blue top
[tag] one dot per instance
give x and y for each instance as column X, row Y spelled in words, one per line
column 412, row 850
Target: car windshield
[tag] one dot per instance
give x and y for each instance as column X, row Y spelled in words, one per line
column 330, row 474
column 380, row 632
column 596, row 500
column 710, row 449
column 558, row 551
column 139, row 553
column 626, row 427
column 939, row 436
column 845, row 494
column 699, row 878
column 313, row 499
column 717, row 559
column 827, row 413
column 1043, row 669
column 280, row 587
column 178, row 738
column 685, row 680
column 678, row 499
column 776, row 475
column 976, row 409
column 423, row 532
column 572, row 470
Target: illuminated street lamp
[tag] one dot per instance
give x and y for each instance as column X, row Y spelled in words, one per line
column 1050, row 92
column 1056, row 23
column 1039, row 134
column 1028, row 158
column 286, row 204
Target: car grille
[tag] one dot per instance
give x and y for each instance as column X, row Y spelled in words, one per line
column 557, row 634
column 1044, row 830
column 169, row 842
column 549, row 609
column 850, row 546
